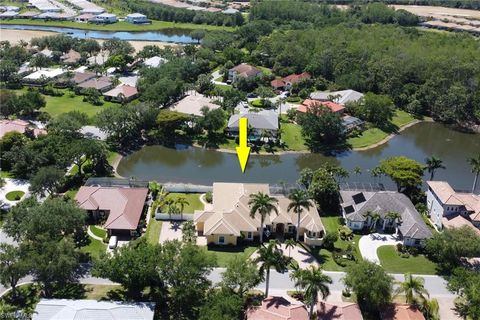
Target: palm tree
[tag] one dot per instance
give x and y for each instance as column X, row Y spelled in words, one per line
column 433, row 163
column 313, row 281
column 299, row 200
column 270, row 256
column 475, row 163
column 181, row 202
column 412, row 287
column 289, row 244
column 357, row 170
column 262, row 204
column 395, row 217
column 374, row 217
column 430, row 309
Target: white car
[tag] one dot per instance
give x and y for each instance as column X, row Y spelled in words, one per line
column 112, row 243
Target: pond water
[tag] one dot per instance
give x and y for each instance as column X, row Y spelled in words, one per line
column 201, row 166
column 164, row 35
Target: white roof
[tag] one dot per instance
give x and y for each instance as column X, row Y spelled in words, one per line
column 93, row 132
column 47, row 73
column 136, row 15
column 154, row 61
column 107, row 15
column 8, row 14
column 64, row 309
column 230, row 11
column 344, row 96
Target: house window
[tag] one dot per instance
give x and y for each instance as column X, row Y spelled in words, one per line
column 291, row 229
column 312, row 234
column 249, row 235
column 417, row 242
column 221, row 239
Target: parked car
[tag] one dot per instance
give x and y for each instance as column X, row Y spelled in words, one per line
column 251, row 95
column 112, row 243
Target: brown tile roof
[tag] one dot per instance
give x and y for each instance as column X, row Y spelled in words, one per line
column 71, row 56
column 458, row 221
column 277, row 308
column 12, row 125
column 245, row 70
column 277, row 83
column 338, row 311
column 124, row 90
column 80, row 77
column 294, row 78
column 99, row 84
column 401, row 312
column 125, row 205
column 449, row 196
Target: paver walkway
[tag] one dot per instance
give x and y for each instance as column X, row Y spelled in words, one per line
column 369, row 244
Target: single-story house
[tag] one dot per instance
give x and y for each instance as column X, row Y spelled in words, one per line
column 243, row 71
column 338, row 311
column 20, row 126
column 193, row 102
column 401, row 312
column 287, row 82
column 341, row 97
column 8, row 15
column 136, row 18
column 105, row 18
column 71, row 57
column 66, row 309
column 309, row 103
column 84, row 17
column 154, row 62
column 259, row 122
column 102, row 84
column 351, row 122
column 121, row 93
column 42, row 76
column 450, row 208
column 27, row 14
column 357, row 204
column 278, row 308
column 80, row 77
column 229, row 221
column 122, row 207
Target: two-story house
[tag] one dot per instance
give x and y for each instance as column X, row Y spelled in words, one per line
column 243, row 70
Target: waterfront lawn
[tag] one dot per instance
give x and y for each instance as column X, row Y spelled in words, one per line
column 193, row 199
column 120, row 26
column 153, row 231
column 292, row 136
column 392, row 262
column 224, row 254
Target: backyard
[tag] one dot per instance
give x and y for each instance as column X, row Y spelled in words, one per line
column 66, row 103
column 193, row 200
column 394, row 263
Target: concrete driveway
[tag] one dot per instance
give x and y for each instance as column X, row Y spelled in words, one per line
column 369, row 244
column 170, row 231
column 14, row 185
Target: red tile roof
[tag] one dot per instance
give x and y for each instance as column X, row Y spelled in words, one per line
column 294, row 78
column 338, row 311
column 125, row 205
column 246, row 70
column 308, row 103
column 277, row 83
column 278, row 308
column 401, row 312
column 19, row 126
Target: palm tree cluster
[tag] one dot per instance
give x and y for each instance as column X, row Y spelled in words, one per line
column 271, row 256
column 415, row 294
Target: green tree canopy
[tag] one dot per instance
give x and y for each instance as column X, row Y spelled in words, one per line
column 405, row 172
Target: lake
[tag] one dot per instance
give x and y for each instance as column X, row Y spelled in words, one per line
column 202, row 166
column 165, row 35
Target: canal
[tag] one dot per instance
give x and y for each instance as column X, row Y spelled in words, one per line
column 201, row 166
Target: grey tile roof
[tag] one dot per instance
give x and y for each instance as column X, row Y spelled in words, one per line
column 383, row 202
column 267, row 120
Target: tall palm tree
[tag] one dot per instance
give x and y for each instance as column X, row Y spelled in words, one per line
column 374, row 217
column 395, row 217
column 430, row 309
column 313, row 281
column 262, row 204
column 433, row 163
column 289, row 244
column 181, row 202
column 475, row 163
column 270, row 256
column 299, row 200
column 412, row 287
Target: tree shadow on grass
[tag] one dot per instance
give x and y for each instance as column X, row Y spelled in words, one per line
column 69, row 291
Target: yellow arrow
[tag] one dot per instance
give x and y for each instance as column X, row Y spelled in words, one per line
column 242, row 150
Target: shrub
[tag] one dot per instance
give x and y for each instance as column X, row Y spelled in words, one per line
column 346, row 293
column 345, row 233
column 339, row 259
column 330, row 240
column 209, row 197
column 400, row 248
column 294, row 98
column 297, row 295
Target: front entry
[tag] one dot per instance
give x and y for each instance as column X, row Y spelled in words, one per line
column 280, row 229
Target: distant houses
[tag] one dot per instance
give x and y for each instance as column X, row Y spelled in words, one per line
column 136, row 18
column 101, row 84
column 287, row 82
column 20, row 126
column 104, row 18
column 244, row 71
column 341, row 97
column 122, row 93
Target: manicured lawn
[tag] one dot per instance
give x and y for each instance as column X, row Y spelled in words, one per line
column 99, row 232
column 58, row 105
column 94, row 248
column 393, row 263
column 112, row 155
column 5, row 174
column 119, row 26
column 193, row 199
column 153, row 231
column 14, row 195
column 292, row 136
column 224, row 254
column 223, row 87
column 71, row 193
column 402, row 118
column 99, row 291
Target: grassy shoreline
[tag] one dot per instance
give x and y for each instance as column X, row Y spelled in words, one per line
column 118, row 26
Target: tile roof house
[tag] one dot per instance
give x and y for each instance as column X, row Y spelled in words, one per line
column 102, row 84
column 401, row 312
column 338, row 311
column 341, row 97
column 71, row 57
column 257, row 121
column 65, row 309
column 288, row 81
column 121, row 93
column 122, row 206
column 80, row 77
column 450, row 208
column 309, row 103
column 228, row 220
column 277, row 308
column 356, row 204
column 20, row 126
column 243, row 71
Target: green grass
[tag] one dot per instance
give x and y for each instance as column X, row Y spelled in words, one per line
column 58, row 105
column 193, row 199
column 112, row 155
column 5, row 174
column 223, row 87
column 224, row 254
column 72, row 193
column 153, row 231
column 120, row 26
column 14, row 195
column 393, row 263
column 265, row 71
column 99, row 232
column 94, row 248
column 402, row 118
column 292, row 136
